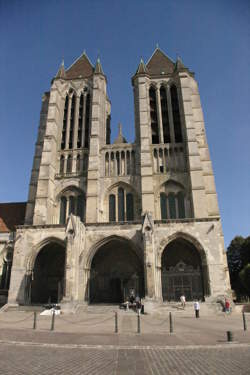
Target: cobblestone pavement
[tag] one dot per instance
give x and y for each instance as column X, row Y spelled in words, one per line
column 44, row 359
column 86, row 344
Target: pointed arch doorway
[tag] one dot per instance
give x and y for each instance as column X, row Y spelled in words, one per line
column 47, row 284
column 183, row 272
column 116, row 271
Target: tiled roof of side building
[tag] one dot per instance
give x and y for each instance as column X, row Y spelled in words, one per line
column 159, row 64
column 11, row 214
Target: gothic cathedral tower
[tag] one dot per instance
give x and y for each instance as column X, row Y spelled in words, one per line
column 106, row 220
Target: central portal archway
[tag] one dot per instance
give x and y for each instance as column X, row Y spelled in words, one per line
column 116, row 271
column 47, row 283
column 182, row 271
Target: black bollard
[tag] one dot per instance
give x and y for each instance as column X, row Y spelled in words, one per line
column 229, row 336
column 171, row 328
column 138, row 324
column 34, row 322
column 116, row 322
column 53, row 321
column 244, row 321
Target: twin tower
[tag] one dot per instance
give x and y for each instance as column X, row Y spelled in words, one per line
column 106, row 220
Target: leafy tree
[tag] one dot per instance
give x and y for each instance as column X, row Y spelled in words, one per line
column 238, row 255
column 245, row 277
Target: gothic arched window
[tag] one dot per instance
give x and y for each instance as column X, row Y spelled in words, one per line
column 163, row 202
column 72, row 201
column 164, row 114
column 69, row 164
column 65, row 117
column 72, row 121
column 112, row 215
column 87, row 121
column 63, row 207
column 121, row 213
column 130, row 207
column 176, row 114
column 80, row 122
column 78, row 163
column 62, row 164
column 181, row 205
column 153, row 115
column 172, row 206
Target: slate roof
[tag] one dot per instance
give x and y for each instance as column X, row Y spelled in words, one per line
column 11, row 214
column 159, row 64
column 81, row 68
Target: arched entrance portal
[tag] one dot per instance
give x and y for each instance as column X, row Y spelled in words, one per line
column 116, row 271
column 48, row 275
column 182, row 271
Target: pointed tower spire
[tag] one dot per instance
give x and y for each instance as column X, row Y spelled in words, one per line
column 61, row 71
column 98, row 67
column 179, row 66
column 142, row 69
column 120, row 138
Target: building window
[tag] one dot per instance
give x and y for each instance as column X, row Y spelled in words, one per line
column 72, row 202
column 172, row 205
column 181, row 205
column 69, row 164
column 163, row 202
column 112, row 207
column 121, row 213
column 72, row 121
column 121, row 205
column 130, row 207
column 87, row 121
column 78, row 163
column 176, row 114
column 63, row 207
column 80, row 122
column 65, row 117
column 164, row 114
column 153, row 115
column 62, row 164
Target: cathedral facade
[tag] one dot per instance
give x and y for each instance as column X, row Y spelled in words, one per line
column 105, row 220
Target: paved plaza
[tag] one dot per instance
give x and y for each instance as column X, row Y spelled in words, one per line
column 86, row 343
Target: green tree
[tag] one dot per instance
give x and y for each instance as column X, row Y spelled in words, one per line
column 235, row 264
column 245, row 277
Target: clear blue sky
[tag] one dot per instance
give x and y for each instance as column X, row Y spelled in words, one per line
column 212, row 37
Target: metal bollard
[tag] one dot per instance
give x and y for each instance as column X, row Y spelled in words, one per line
column 171, row 328
column 34, row 321
column 229, row 336
column 53, row 321
column 116, row 322
column 244, row 321
column 138, row 324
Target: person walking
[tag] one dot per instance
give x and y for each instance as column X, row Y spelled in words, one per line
column 183, row 301
column 197, row 309
column 227, row 306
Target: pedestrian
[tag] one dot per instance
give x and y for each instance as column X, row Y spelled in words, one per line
column 183, row 301
column 138, row 304
column 227, row 306
column 197, row 309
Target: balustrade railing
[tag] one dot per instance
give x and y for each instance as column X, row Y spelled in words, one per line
column 168, row 157
column 119, row 161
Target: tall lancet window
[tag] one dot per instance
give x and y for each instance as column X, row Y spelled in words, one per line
column 87, row 120
column 121, row 212
column 72, row 121
column 153, row 115
column 80, row 122
column 176, row 114
column 164, row 114
column 65, row 116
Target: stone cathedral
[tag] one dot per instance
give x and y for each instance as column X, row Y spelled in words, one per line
column 104, row 219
